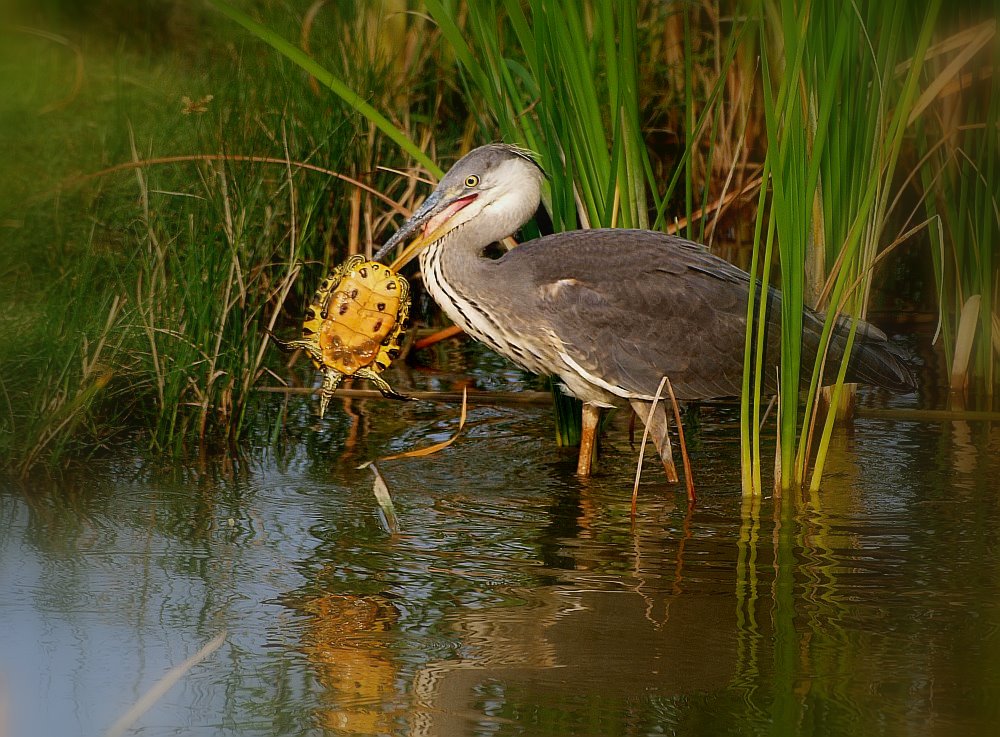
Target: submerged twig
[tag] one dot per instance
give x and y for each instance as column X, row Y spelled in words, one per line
column 476, row 397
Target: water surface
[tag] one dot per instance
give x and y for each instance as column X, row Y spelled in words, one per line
column 516, row 599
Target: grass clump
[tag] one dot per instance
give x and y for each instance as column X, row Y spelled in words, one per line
column 155, row 219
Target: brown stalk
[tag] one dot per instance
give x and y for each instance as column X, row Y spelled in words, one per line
column 78, row 67
column 138, row 164
column 688, row 479
column 307, row 24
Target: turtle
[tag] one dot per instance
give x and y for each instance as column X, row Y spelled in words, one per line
column 354, row 325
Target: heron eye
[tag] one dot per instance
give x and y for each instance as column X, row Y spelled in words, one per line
column 471, row 181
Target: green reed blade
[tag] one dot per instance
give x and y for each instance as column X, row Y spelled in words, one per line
column 326, row 78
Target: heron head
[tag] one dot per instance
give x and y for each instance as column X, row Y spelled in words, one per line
column 496, row 187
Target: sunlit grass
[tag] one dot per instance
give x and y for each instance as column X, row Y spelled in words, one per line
column 836, row 114
column 141, row 263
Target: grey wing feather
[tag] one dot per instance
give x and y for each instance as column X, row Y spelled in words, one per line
column 632, row 306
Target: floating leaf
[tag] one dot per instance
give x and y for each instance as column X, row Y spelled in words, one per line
column 384, row 499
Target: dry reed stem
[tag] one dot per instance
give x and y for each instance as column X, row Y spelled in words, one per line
column 125, row 166
column 154, row 694
column 720, row 205
column 78, row 67
column 688, row 479
column 642, row 447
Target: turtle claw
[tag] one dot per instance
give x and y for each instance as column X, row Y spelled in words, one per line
column 286, row 346
column 383, row 386
column 331, row 380
column 391, row 393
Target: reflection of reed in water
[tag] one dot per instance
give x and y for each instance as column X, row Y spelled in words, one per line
column 748, row 635
column 344, row 640
column 801, row 632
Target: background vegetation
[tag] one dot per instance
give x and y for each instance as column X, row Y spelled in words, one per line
column 173, row 186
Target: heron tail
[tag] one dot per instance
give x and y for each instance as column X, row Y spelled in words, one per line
column 875, row 360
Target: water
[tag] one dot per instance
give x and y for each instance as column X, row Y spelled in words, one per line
column 516, row 599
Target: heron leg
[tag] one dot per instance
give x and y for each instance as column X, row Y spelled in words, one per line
column 659, row 430
column 588, row 436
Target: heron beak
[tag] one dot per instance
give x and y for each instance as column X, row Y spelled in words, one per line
column 432, row 219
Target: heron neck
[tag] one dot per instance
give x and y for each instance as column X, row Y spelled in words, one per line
column 457, row 259
column 464, row 282
column 474, row 290
column 460, row 251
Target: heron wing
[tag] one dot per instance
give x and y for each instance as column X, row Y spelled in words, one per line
column 632, row 306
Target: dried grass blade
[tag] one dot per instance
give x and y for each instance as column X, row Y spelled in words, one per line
column 985, row 33
column 642, row 446
column 963, row 343
column 432, row 449
column 688, row 478
column 384, row 499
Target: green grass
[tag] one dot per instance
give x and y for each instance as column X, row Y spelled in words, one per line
column 836, row 113
column 136, row 298
column 961, row 176
column 562, row 79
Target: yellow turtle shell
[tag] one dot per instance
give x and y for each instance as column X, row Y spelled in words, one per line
column 354, row 325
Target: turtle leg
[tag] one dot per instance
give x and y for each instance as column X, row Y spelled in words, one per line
column 286, row 346
column 294, row 345
column 331, row 380
column 383, row 386
column 659, row 430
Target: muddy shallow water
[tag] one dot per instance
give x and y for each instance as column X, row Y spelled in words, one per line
column 515, row 599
